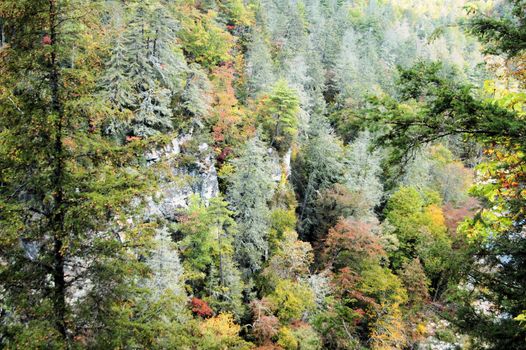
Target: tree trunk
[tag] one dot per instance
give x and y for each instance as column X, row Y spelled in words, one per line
column 57, row 218
column 2, row 33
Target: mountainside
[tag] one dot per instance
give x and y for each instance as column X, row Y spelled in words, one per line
column 262, row 174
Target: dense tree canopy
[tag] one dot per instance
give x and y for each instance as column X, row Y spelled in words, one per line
column 258, row 174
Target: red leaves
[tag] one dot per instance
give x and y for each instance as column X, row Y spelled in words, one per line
column 224, row 154
column 201, row 308
column 46, row 40
column 230, row 27
column 265, row 324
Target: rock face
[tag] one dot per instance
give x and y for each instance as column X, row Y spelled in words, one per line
column 179, row 181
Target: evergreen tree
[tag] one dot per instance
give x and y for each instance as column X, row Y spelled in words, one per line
column 249, row 193
column 145, row 70
column 64, row 188
column 318, row 167
column 208, row 232
column 363, row 170
column 278, row 115
column 259, row 66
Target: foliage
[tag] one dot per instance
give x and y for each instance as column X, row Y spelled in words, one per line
column 220, row 332
column 250, row 190
column 278, row 114
column 363, row 176
column 416, row 283
column 144, row 71
column 355, row 125
column 266, row 325
column 203, row 39
column 206, row 247
column 201, row 308
column 291, row 261
column 351, row 243
column 259, row 64
column 291, row 300
column 318, row 167
column 501, row 34
column 70, row 257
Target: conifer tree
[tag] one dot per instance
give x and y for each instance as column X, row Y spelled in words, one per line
column 145, row 70
column 363, row 170
column 64, row 187
column 259, row 66
column 249, row 193
column 318, row 167
column 278, row 115
column 207, row 251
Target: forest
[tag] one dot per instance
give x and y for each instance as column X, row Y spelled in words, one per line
column 263, row 174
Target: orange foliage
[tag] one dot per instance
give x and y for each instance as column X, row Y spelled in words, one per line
column 455, row 215
column 201, row 308
column 352, row 239
column 227, row 118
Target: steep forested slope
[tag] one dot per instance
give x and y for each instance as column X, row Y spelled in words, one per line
column 229, row 174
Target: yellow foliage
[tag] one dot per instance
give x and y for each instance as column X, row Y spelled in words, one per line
column 286, row 339
column 388, row 332
column 220, row 327
column 291, row 299
column 435, row 217
column 421, row 329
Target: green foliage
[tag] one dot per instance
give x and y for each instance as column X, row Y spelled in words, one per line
column 318, row 166
column 307, row 337
column 501, row 34
column 89, row 88
column 250, row 192
column 421, row 230
column 66, row 193
column 206, row 247
column 383, row 285
column 291, row 300
column 204, row 40
column 451, row 108
column 278, row 114
column 201, row 233
column 282, row 221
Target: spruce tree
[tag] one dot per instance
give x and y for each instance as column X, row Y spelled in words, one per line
column 145, row 70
